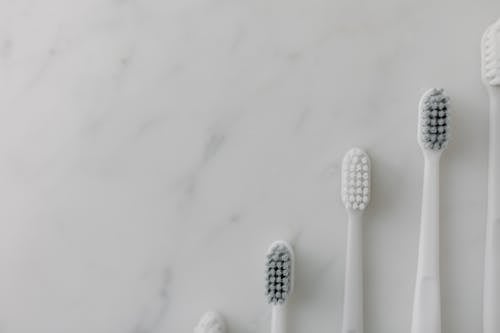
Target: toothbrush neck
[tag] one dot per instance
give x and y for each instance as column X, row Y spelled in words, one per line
column 356, row 213
column 432, row 156
column 494, row 93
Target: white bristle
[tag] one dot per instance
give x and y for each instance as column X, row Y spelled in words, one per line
column 490, row 55
column 356, row 179
column 279, row 272
column 433, row 122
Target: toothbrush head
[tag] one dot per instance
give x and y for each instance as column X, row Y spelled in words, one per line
column 356, row 179
column 211, row 322
column 279, row 272
column 433, row 120
column 490, row 55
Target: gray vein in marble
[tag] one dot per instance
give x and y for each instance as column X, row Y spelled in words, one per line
column 6, row 49
column 44, row 67
column 302, row 119
column 235, row 218
column 218, row 230
column 239, row 38
column 156, row 311
column 50, row 55
column 124, row 64
column 214, row 144
column 189, row 184
column 322, row 273
column 173, row 71
column 146, row 126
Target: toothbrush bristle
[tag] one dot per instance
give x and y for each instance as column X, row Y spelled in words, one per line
column 278, row 274
column 490, row 55
column 356, row 179
column 434, row 120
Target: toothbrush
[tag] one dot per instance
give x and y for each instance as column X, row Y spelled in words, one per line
column 432, row 137
column 211, row 322
column 279, row 282
column 490, row 56
column 355, row 196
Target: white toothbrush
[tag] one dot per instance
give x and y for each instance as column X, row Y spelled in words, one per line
column 433, row 134
column 490, row 55
column 279, row 282
column 355, row 196
column 211, row 322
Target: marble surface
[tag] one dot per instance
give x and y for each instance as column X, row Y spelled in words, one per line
column 152, row 150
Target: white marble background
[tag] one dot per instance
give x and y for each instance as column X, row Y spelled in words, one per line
column 151, row 150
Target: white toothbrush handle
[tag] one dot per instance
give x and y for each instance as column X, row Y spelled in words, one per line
column 353, row 291
column 427, row 304
column 278, row 319
column 491, row 292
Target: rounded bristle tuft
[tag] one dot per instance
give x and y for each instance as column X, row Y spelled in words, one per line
column 278, row 274
column 434, row 120
column 490, row 55
column 356, row 179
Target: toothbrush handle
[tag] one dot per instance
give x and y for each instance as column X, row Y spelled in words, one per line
column 353, row 292
column 491, row 292
column 427, row 304
column 278, row 319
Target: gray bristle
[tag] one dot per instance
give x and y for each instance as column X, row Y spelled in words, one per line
column 278, row 277
column 435, row 120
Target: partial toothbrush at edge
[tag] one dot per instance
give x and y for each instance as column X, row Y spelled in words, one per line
column 490, row 71
column 355, row 194
column 280, row 262
column 432, row 135
column 211, row 322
